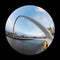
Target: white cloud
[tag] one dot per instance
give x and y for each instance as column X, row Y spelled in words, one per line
column 45, row 19
column 39, row 9
column 41, row 19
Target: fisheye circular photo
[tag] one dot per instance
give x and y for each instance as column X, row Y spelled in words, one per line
column 29, row 30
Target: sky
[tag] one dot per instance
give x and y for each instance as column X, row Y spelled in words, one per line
column 25, row 26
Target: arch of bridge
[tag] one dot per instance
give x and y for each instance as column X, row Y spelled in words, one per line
column 45, row 30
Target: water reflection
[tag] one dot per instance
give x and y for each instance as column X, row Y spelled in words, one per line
column 26, row 46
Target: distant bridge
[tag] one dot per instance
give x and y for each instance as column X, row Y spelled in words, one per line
column 26, row 38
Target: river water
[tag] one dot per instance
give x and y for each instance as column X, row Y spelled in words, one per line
column 28, row 47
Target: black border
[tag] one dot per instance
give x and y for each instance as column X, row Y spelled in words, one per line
column 7, row 7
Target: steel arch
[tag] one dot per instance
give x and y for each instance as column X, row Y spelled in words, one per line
column 45, row 30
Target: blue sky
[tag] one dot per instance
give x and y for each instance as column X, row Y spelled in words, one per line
column 25, row 26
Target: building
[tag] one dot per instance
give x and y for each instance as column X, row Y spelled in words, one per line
column 52, row 30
